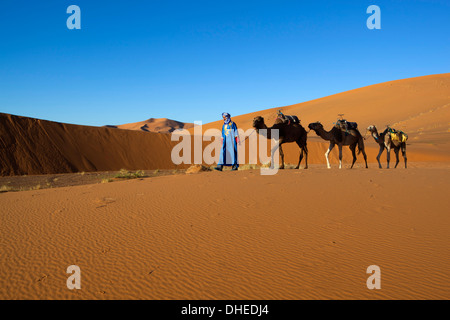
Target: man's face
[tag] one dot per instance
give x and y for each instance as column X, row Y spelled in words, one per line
column 224, row 117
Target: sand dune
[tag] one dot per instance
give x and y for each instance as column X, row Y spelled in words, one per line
column 32, row 146
column 414, row 105
column 418, row 106
column 307, row 234
column 162, row 125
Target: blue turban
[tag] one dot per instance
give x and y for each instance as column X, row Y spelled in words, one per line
column 228, row 117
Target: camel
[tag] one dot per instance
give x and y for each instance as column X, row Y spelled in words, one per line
column 336, row 136
column 385, row 141
column 287, row 133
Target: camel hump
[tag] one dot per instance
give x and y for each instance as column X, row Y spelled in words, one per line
column 352, row 125
column 288, row 119
column 345, row 125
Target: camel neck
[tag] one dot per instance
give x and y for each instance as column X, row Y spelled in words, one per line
column 263, row 127
column 326, row 135
column 266, row 133
column 376, row 136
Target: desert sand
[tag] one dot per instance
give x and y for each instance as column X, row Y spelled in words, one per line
column 299, row 234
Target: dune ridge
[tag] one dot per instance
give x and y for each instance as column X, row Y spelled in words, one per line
column 161, row 125
column 33, row 146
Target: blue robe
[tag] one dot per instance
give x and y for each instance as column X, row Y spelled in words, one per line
column 228, row 154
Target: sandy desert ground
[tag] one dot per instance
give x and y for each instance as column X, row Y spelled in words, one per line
column 299, row 234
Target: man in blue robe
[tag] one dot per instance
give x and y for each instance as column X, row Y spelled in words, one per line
column 230, row 141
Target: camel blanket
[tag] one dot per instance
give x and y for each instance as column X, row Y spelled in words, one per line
column 347, row 128
column 398, row 137
column 288, row 119
column 345, row 125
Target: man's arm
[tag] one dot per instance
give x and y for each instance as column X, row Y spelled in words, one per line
column 236, row 133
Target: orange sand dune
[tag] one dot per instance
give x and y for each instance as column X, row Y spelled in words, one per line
column 162, row 125
column 300, row 234
column 32, row 146
column 418, row 106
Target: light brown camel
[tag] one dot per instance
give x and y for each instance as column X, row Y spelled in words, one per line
column 286, row 133
column 385, row 141
column 352, row 138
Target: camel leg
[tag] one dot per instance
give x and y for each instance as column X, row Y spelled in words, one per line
column 302, row 149
column 365, row 157
column 404, row 153
column 340, row 156
column 282, row 157
column 379, row 156
column 353, row 149
column 306, row 157
column 299, row 159
column 328, row 152
column 272, row 164
column 396, row 150
column 388, row 156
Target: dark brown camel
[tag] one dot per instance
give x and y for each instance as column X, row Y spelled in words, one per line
column 385, row 141
column 286, row 133
column 336, row 136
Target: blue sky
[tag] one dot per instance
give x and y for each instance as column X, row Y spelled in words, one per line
column 192, row 60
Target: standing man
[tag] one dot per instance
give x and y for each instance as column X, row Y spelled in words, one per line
column 230, row 140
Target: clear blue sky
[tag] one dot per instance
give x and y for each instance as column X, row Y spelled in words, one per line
column 192, row 60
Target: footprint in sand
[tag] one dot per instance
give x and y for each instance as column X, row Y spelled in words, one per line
column 45, row 276
column 217, row 201
column 376, row 185
column 383, row 208
column 153, row 270
column 103, row 202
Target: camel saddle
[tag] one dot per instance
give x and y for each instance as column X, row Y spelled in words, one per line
column 346, row 126
column 397, row 135
column 287, row 119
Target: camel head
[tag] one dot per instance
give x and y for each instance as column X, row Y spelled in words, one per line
column 315, row 126
column 372, row 129
column 258, row 123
